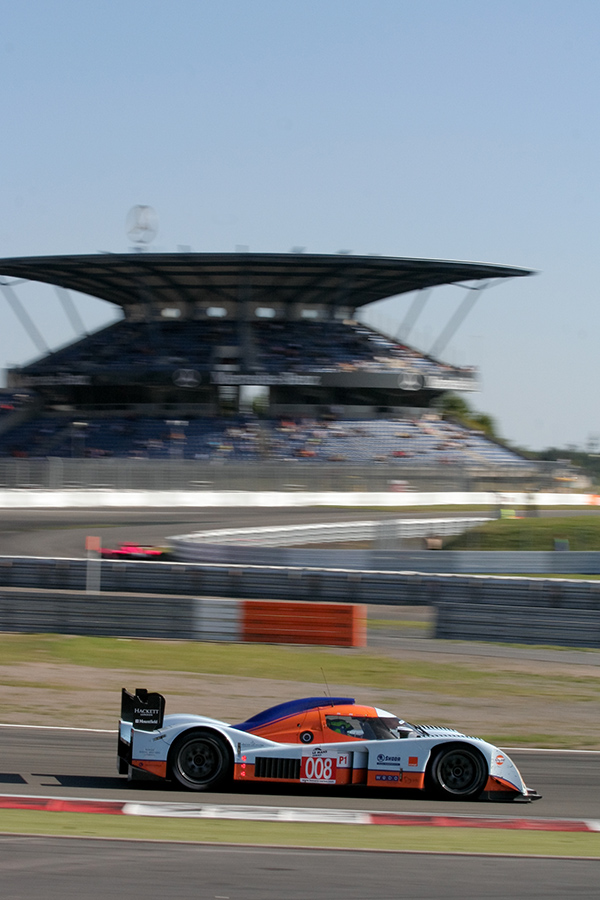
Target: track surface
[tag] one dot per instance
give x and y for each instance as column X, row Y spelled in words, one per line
column 81, row 764
column 96, row 870
column 54, row 869
column 61, row 533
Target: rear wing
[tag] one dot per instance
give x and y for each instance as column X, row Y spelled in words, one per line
column 144, row 710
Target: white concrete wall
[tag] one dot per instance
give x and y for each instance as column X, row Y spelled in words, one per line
column 22, row 499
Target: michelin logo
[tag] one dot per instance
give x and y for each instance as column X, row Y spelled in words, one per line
column 382, row 758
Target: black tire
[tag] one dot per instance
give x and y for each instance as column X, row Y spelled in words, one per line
column 457, row 772
column 200, row 760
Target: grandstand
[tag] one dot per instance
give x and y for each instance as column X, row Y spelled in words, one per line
column 199, row 333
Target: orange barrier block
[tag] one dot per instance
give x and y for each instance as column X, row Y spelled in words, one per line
column 295, row 622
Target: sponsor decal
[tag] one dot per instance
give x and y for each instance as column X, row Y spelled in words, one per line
column 155, row 766
column 146, row 710
column 383, row 758
column 319, row 751
column 387, row 778
column 413, row 760
column 500, row 759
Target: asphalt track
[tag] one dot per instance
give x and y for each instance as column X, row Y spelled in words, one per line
column 61, row 532
column 55, row 869
column 81, row 764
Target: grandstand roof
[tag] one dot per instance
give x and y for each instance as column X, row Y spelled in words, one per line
column 341, row 279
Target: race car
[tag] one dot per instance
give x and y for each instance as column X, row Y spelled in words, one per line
column 133, row 551
column 315, row 740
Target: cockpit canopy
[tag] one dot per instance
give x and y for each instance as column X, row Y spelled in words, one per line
column 326, row 720
column 368, row 728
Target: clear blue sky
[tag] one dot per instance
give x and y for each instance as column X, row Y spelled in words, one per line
column 455, row 129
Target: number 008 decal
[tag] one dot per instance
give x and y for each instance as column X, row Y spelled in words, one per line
column 318, row 769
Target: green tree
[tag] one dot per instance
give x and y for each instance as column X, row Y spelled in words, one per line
column 453, row 406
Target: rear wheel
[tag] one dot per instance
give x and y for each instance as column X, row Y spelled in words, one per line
column 200, row 760
column 457, row 773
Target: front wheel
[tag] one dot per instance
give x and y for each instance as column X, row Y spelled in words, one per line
column 457, row 773
column 200, row 760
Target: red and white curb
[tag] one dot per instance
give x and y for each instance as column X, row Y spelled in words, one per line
column 287, row 814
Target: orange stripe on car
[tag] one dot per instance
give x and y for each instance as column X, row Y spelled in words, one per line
column 494, row 783
column 154, row 766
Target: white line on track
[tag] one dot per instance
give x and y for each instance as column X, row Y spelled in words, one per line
column 61, row 728
column 547, row 750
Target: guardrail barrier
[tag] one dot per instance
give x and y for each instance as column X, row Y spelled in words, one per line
column 137, row 599
column 183, row 618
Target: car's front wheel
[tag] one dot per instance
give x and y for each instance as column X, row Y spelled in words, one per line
column 201, row 760
column 457, row 773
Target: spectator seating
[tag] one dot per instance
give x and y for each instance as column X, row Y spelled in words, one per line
column 420, row 441
column 268, row 346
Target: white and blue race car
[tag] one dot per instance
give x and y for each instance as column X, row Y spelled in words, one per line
column 316, row 740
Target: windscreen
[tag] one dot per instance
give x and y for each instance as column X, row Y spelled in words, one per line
column 366, row 728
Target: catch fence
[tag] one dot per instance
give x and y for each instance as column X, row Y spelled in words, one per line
column 137, row 598
column 114, row 474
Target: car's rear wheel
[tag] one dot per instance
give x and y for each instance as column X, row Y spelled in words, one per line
column 457, row 773
column 201, row 760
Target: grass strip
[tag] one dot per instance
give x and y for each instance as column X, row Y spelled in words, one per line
column 581, row 532
column 285, row 663
column 519, row 509
column 351, row 837
column 446, row 682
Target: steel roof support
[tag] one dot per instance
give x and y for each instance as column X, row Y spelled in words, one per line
column 414, row 311
column 456, row 320
column 71, row 310
column 24, row 318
